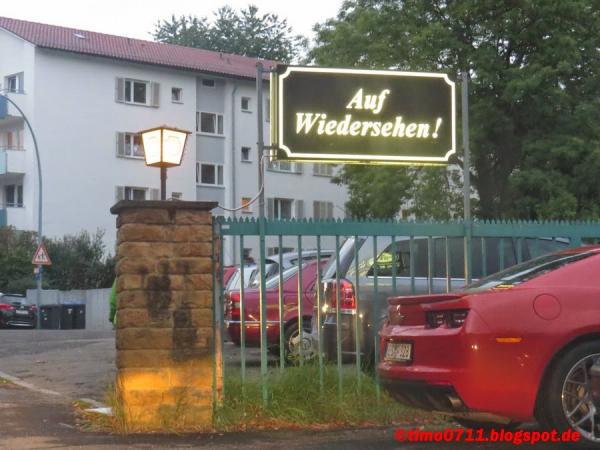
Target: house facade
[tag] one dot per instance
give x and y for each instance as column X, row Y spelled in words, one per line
column 86, row 96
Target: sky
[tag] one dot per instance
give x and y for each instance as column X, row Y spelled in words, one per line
column 136, row 18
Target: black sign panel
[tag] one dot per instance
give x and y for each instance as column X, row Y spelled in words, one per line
column 362, row 116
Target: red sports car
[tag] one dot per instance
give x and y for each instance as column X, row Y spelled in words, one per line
column 513, row 347
column 290, row 311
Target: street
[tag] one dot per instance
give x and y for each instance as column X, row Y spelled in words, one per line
column 54, row 368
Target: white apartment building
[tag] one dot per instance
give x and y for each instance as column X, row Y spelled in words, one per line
column 87, row 94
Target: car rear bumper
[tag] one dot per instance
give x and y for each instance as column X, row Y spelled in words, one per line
column 425, row 396
column 467, row 365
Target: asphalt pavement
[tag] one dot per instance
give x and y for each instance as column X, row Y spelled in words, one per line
column 52, row 368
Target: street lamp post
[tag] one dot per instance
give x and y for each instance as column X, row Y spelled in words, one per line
column 163, row 148
column 4, row 111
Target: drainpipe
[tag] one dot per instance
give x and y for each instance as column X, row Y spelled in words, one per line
column 233, row 159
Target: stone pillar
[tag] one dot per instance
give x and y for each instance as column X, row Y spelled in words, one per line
column 164, row 314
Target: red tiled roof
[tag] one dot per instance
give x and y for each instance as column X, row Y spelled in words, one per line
column 135, row 50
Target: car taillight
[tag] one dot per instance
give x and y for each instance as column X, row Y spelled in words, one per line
column 452, row 318
column 347, row 297
column 7, row 308
column 232, row 304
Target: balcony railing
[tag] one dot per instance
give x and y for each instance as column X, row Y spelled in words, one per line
column 12, row 160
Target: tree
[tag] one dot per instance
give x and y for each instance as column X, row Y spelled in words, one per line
column 78, row 262
column 245, row 33
column 533, row 89
column 16, row 251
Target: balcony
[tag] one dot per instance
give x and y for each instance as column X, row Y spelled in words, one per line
column 12, row 161
column 16, row 217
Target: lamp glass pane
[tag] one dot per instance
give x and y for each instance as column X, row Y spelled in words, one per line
column 151, row 142
column 173, row 144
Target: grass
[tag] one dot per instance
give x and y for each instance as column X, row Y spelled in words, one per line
column 296, row 399
column 92, row 421
column 5, row 382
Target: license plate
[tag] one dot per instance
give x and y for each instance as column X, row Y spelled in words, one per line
column 398, row 351
column 21, row 313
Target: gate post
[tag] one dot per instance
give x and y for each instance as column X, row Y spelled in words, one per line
column 164, row 326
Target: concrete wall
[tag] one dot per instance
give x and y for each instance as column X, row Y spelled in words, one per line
column 96, row 304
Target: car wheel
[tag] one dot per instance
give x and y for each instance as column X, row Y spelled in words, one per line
column 485, row 426
column 567, row 401
column 294, row 344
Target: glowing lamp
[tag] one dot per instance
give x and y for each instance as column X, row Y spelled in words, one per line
column 163, row 147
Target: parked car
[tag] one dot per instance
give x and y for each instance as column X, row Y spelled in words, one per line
column 364, row 300
column 15, row 312
column 289, row 259
column 235, row 280
column 228, row 273
column 290, row 311
column 515, row 346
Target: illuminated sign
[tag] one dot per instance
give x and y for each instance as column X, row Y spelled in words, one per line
column 362, row 116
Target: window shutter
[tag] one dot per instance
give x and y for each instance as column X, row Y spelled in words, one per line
column 155, row 87
column 299, row 209
column 298, row 167
column 119, row 193
column 120, row 144
column 120, row 90
column 330, row 210
column 154, row 194
column 270, row 208
column 20, row 82
column 316, row 210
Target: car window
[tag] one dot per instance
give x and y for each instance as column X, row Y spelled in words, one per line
column 287, row 274
column 537, row 247
column 346, row 259
column 402, row 249
column 528, row 270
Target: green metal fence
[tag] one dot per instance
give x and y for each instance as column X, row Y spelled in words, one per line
column 364, row 263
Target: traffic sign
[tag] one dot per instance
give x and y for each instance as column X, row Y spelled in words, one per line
column 41, row 257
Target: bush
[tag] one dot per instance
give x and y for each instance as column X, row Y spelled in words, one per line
column 78, row 261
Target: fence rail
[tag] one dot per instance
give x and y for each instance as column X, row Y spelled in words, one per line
column 333, row 303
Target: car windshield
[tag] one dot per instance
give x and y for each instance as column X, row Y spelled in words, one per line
column 287, row 274
column 527, row 271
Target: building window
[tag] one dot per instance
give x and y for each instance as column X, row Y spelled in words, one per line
column 246, row 104
column 322, row 210
column 206, row 82
column 136, row 193
column 210, row 123
column 129, row 145
column 271, row 251
column 324, row 170
column 211, row 174
column 12, row 83
column 285, row 166
column 246, row 205
column 13, row 195
column 176, row 195
column 136, row 92
column 246, row 154
column 279, row 208
column 176, row 95
column 268, row 109
column 133, row 193
column 12, row 140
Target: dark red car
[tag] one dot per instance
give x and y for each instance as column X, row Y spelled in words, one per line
column 513, row 347
column 290, row 311
column 15, row 313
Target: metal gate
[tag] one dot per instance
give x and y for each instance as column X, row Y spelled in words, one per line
column 356, row 265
